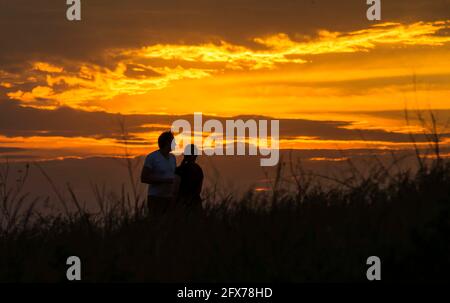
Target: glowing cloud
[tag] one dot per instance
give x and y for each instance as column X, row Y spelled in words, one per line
column 138, row 71
column 420, row 33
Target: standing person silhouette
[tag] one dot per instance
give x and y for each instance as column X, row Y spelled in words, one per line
column 159, row 173
column 191, row 180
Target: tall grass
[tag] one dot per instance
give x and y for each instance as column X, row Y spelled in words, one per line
column 302, row 230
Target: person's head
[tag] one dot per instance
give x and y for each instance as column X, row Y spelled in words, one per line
column 165, row 142
column 190, row 153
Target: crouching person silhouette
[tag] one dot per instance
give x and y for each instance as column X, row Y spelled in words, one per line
column 190, row 181
column 159, row 173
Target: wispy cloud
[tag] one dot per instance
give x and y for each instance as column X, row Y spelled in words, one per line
column 138, row 71
column 420, row 33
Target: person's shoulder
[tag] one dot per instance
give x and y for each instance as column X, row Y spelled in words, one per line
column 152, row 156
column 172, row 157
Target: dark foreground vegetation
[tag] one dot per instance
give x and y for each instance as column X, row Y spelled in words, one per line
column 307, row 233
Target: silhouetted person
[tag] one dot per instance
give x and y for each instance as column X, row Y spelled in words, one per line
column 159, row 173
column 191, row 180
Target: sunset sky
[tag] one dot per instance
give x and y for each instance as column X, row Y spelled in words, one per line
column 334, row 79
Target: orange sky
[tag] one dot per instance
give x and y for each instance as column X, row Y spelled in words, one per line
column 329, row 75
column 382, row 67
